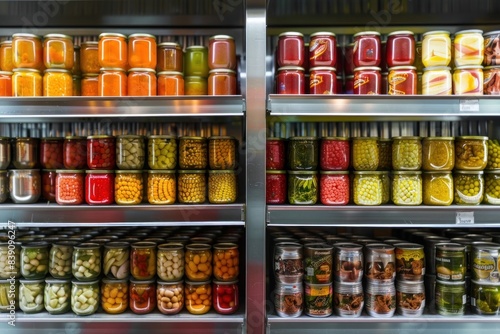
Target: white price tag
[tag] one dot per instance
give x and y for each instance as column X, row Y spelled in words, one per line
column 465, row 218
column 469, row 105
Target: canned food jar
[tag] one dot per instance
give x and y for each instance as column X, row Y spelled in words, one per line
column 116, row 260
column 410, row 261
column 303, row 153
column 26, row 82
column 385, row 154
column 471, row 152
column 407, row 187
column 367, row 188
column 57, row 82
column 406, row 153
column 142, row 51
column 89, row 57
column 469, row 187
column 322, row 49
column 450, row 297
column 193, row 153
column 170, row 83
column 222, row 82
column 6, row 63
column 290, row 49
column 469, row 47
column 302, row 187
column 27, row 51
column 170, row 262
column 162, row 152
column 276, row 190
column 380, row 263
column 318, row 299
column 25, row 185
column 195, row 85
column 367, row 81
column 90, row 84
column 289, row 300
column 334, row 153
column 491, row 76
column 222, row 186
column 51, row 153
column 101, row 152
column 468, row 80
column 191, row 186
column 437, row 188
column 221, row 52
column 275, row 153
column 484, row 261
column 348, row 262
column 450, row 262
column 198, row 296
column 58, row 51
column 198, row 260
column 4, row 186
column 170, row 296
column 400, row 48
column 491, row 52
column 334, row 187
column 10, row 289
column 170, row 57
column 77, row 85
column 492, row 187
column 141, row 82
column 31, row 293
column 86, row 264
column 143, row 260
column 436, row 48
column 112, row 81
column 402, row 80
column 10, row 260
column 290, row 80
column 130, row 152
column 196, row 61
column 35, row 259
column 100, row 187
column 318, row 263
column 484, row 298
column 84, row 297
column 380, row 300
column 69, row 186
column 437, row 80
column 348, row 299
column 161, row 187
column 5, row 83
column 225, row 296
column 288, row 262
column 114, row 295
column 410, row 298
column 128, row 187
column 367, row 49
column 113, row 50
column 323, row 80
column 57, row 296
column 60, row 259
column 222, row 152
column 438, row 153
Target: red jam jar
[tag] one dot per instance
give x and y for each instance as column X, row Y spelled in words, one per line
column 113, row 50
column 221, row 52
column 142, row 296
column 334, row 153
column 349, row 84
column 225, row 297
column 290, row 80
column 222, row 82
column 49, row 184
column 141, row 82
column 402, row 80
column 142, row 51
column 51, row 153
column 75, row 152
column 334, row 187
column 100, row 187
column 101, row 151
column 170, row 57
column 367, row 81
column 400, row 48
column 349, row 59
column 367, row 49
column 275, row 153
column 323, row 49
column 276, row 187
column 322, row 80
column 69, row 186
column 170, row 83
column 291, row 49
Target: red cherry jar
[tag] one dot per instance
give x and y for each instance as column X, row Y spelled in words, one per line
column 323, row 49
column 225, row 297
column 323, row 80
column 100, row 187
column 276, row 187
column 275, row 153
column 49, row 185
column 75, row 152
column 334, row 187
column 290, row 80
column 367, row 49
column 334, row 153
column 367, row 81
column 290, row 49
column 101, row 152
column 400, row 48
column 51, row 153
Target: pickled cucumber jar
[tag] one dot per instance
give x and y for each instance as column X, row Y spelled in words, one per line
column 60, row 259
column 471, row 152
column 407, row 187
column 385, row 154
column 365, row 153
column 162, row 187
column 406, row 153
column 162, row 152
column 469, row 187
column 10, row 263
column 84, row 297
column 10, row 290
column 193, row 153
column 170, row 262
column 191, row 186
column 116, row 260
column 130, row 152
column 437, row 188
column 222, row 186
column 303, row 153
column 57, row 295
column 198, row 260
column 438, row 153
column 492, row 187
column 170, row 296
column 198, row 296
column 222, row 152
column 367, row 187
column 86, row 265
column 35, row 260
column 302, row 187
column 450, row 297
column 114, row 295
column 31, row 293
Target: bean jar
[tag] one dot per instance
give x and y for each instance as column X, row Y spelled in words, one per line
column 193, row 153
column 410, row 298
column 10, row 260
column 162, row 152
column 5, row 83
column 322, row 49
column 323, row 80
column 114, row 295
column 6, row 63
column 471, row 152
column 492, row 187
column 191, row 186
column 4, row 186
column 469, row 187
column 437, row 188
column 143, row 260
column 196, row 61
column 100, row 187
column 491, row 76
column 380, row 300
column 468, row 80
column 142, row 51
column 116, row 260
column 25, row 185
column 10, row 290
column 27, row 51
column 468, row 47
column 31, row 293
column 101, row 152
column 367, row 49
column 275, row 153
column 198, row 296
column 290, row 80
column 348, row 299
column 221, row 52
column 406, row 153
column 113, row 50
column 89, row 57
column 334, row 153
column 170, row 296
column 450, row 297
column 222, row 152
column 141, row 82
column 198, row 259
column 57, row 296
column 402, row 80
column 84, row 297
column 410, row 261
column 225, row 296
column 438, row 153
column 276, row 187
column 170, row 83
column 302, row 187
column 90, row 84
column 334, row 187
column 26, row 82
column 170, row 57
column 365, row 153
column 367, row 81
column 436, row 48
column 58, row 51
column 400, row 48
column 367, row 188
column 170, row 262
column 407, row 187
column 225, row 261
column 130, row 152
column 484, row 298
column 195, row 85
column 70, row 186
column 290, row 49
column 303, row 153
column 112, row 81
column 35, row 259
column 450, row 261
column 437, row 80
column 161, row 187
column 49, row 184
column 86, row 264
column 60, row 259
column 25, row 153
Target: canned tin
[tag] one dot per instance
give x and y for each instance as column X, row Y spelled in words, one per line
column 380, row 300
column 450, row 297
column 290, row 80
column 402, row 80
column 367, row 49
column 323, row 80
column 410, row 298
column 436, row 80
column 400, row 48
column 380, row 263
column 288, row 262
column 367, row 81
column 290, row 49
column 485, row 266
column 468, row 80
column 318, row 259
column 322, row 49
column 436, row 48
column 289, row 300
column 348, row 299
column 410, row 261
column 318, row 299
column 491, row 48
column 450, row 262
column 484, row 298
column 348, row 262
column 469, row 47
column 491, row 85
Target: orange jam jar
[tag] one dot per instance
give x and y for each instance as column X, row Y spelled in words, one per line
column 26, row 82
column 222, row 82
column 194, row 85
column 221, row 52
column 170, row 83
column 57, row 82
column 112, row 82
column 76, row 70
column 90, row 84
column 58, row 51
column 27, row 51
column 6, row 83
column 6, row 56
column 113, row 50
column 77, row 85
column 170, row 57
column 142, row 51
column 141, row 82
column 89, row 57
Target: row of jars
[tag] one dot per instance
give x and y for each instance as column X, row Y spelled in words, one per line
column 58, row 296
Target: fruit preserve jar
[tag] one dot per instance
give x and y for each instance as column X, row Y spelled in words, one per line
column 112, row 81
column 322, row 80
column 114, row 295
column 161, row 187
column 5, row 83
column 402, row 80
column 142, row 51
column 290, row 80
column 141, row 82
column 101, row 152
column 471, row 152
column 142, row 296
column 437, row 188
column 334, row 153
column 57, row 296
column 90, row 84
column 468, row 80
column 170, row 83
column 469, row 187
column 290, row 49
column 221, row 52
column 334, row 187
column 6, row 56
column 276, row 187
column 198, row 260
column 170, row 262
column 49, row 184
column 322, row 49
column 400, row 48
column 225, row 296
column 113, row 50
column 198, row 296
column 275, row 153
column 27, row 51
column 222, row 82
column 367, row 81
column 196, row 61
column 58, row 51
column 302, row 187
column 51, row 153
column 86, row 264
column 57, row 82
column 365, row 153
column 303, row 153
column 367, row 49
column 170, row 57
column 69, row 186
column 367, row 187
column 170, row 296
column 89, row 57
column 226, row 261
column 84, row 297
column 143, row 260
column 74, row 152
column 26, row 82
column 407, row 187
column 100, row 187
column 406, row 153
column 436, row 48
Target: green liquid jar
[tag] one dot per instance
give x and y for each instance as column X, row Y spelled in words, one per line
column 303, row 153
column 302, row 187
column 450, row 297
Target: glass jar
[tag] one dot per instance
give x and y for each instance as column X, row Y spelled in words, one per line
column 221, row 52
column 302, row 187
column 143, row 260
column 365, row 153
column 436, row 48
column 192, row 152
column 170, row 262
column 288, row 262
column 493, row 154
column 275, row 153
column 60, row 259
column 89, row 57
column 437, row 80
column 142, row 51
column 84, row 297
column 5, row 83
column 450, row 297
column 51, row 153
column 334, row 153
column 491, row 75
column 57, row 296
column 101, row 152
column 471, row 152
column 191, row 186
column 437, row 188
column 26, row 82
column 6, row 63
column 367, row 49
column 290, row 80
column 130, row 152
column 367, row 187
column 31, row 293
column 222, row 82
column 402, row 80
column 161, row 187
column 114, row 295
column 468, row 80
column 112, row 81
column 141, row 82
column 70, row 186
column 469, row 187
column 222, row 152
column 198, row 260
column 162, row 152
column 468, row 47
column 25, row 153
column 303, row 153
column 86, row 264
column 116, row 260
column 170, row 57
column 334, row 187
column 276, row 187
column 225, row 296
column 438, row 153
column 10, row 260
column 75, row 69
column 195, row 85
column 484, row 298
column 170, row 83
column 27, row 51
column 400, row 48
column 35, row 259
column 406, row 153
column 289, row 300
column 407, row 187
column 380, row 263
column 5, row 148
column 348, row 299
column 410, row 298
column 57, row 82
column 450, row 261
column 10, row 290
column 222, row 186
column 492, row 187
column 90, row 84
column 100, row 187
column 198, row 296
column 290, row 49
column 25, row 185
column 318, row 262
column 4, row 186
column 58, row 51
column 196, row 61
column 322, row 80
column 322, row 49
column 348, row 262
column 170, row 296
column 410, row 261
column 112, row 50
column 385, row 154
column 225, row 262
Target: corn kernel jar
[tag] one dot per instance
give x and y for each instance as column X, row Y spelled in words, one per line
column 365, row 153
column 385, row 154
column 437, row 188
column 58, row 51
column 170, row 262
column 406, row 153
column 130, row 152
column 162, row 152
column 302, row 187
column 492, row 187
column 367, row 187
column 27, row 51
column 84, row 297
column 471, row 152
column 114, row 295
column 198, row 260
column 128, row 187
column 222, row 186
column 438, row 153
column 222, row 152
column 57, row 82
column 226, row 261
column 407, row 187
column 198, row 296
column 162, row 187
column 191, row 186
column 469, row 187
column 89, row 57
column 57, row 295
column 26, row 82
column 113, row 50
column 193, row 153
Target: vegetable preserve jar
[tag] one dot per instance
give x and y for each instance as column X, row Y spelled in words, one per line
column 400, row 48
column 128, row 187
column 198, row 296
column 450, row 297
column 322, row 80
column 438, row 153
column 142, row 51
column 141, row 82
column 89, row 57
column 57, row 82
column 468, row 80
column 101, row 152
column 276, row 192
column 191, row 186
column 130, row 152
column 289, row 300
column 225, row 261
column 25, row 185
column 303, row 153
column 222, row 152
column 221, row 52
column 436, row 48
column 170, row 57
column 26, row 82
column 27, row 51
column 322, row 49
column 112, row 81
column 380, row 260
column 437, row 188
column 170, row 83
column 222, row 82
column 468, row 47
column 469, row 187
column 367, row 49
column 114, row 295
column 365, row 153
column 6, row 56
column 195, row 85
column 318, row 263
column 170, row 296
column 410, row 298
column 410, row 261
column 112, row 50
column 162, row 152
column 348, row 262
column 484, row 298
column 196, row 61
column 11, row 300
column 367, row 81
column 193, row 153
column 437, row 80
column 222, row 186
column 367, row 188
column 57, row 296
column 348, row 299
column 5, row 149
column 170, row 262
column 116, row 260
column 275, row 153
column 334, row 187
column 58, row 51
column 225, row 296
column 31, row 295
column 290, row 49
column 161, row 187
column 84, row 297
column 471, row 152
column 198, row 259
column 90, row 84
column 35, row 259
column 450, row 261
column 60, row 259
column 100, row 187
column 10, row 261
column 385, row 154
column 51, row 153
column 374, row 294
column 290, row 80
column 334, row 153
column 318, row 299
column 86, row 264
column 402, row 80
column 142, row 296
column 406, row 153
column 143, row 260
column 492, row 187
column 302, row 187
column 5, row 83
column 491, row 75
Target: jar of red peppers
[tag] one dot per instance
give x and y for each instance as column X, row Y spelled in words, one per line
column 367, row 81
column 75, row 152
column 334, row 153
column 290, row 80
column 323, row 49
column 275, row 153
column 334, row 187
column 100, row 187
column 400, row 48
column 276, row 187
column 402, row 80
column 142, row 296
column 51, row 153
column 322, row 80
column 69, row 186
column 101, row 152
column 290, row 49
column 367, row 49
column 221, row 52
column 49, row 185
column 198, row 297
column 143, row 260
column 225, row 297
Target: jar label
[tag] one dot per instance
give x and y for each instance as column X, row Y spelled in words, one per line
column 394, row 81
column 318, row 47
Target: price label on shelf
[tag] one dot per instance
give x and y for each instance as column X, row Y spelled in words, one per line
column 469, row 105
column 465, row 218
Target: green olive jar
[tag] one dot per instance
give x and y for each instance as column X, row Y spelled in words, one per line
column 407, row 187
column 162, row 152
column 437, row 188
column 485, row 298
column 367, row 187
column 406, row 153
column 302, row 187
column 492, row 187
column 469, row 187
column 471, row 152
column 365, row 153
column 303, row 153
column 438, row 153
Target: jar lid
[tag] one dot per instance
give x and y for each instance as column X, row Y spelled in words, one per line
column 169, row 283
column 474, row 172
column 380, row 246
column 144, row 282
column 31, row 281
column 198, row 246
column 58, row 36
column 129, row 171
column 406, row 172
column 291, row 68
column 487, row 283
column 225, row 282
column 450, row 246
column 106, row 280
column 196, row 47
column 469, row 31
column 335, row 138
column 87, row 245
column 367, row 68
column 35, row 244
column 438, row 172
column 363, row 33
column 366, row 172
column 99, row 171
column 492, row 171
column 302, row 172
column 469, row 67
column 142, row 35
column 198, row 283
column 32, row 70
column 347, row 246
column 334, row 172
column 117, row 69
column 435, row 32
column 225, row 245
column 129, row 136
column 302, row 138
column 490, row 68
column 140, row 69
column 163, row 137
column 111, row 34
column 485, row 245
column 22, row 34
column 437, row 68
column 70, row 171
column 318, row 246
column 220, row 137
column 171, row 245
column 65, row 243
column 407, row 138
column 174, row 44
column 191, row 171
column 90, row 75
column 93, row 43
column 99, row 137
column 143, row 244
column 454, row 283
column 438, row 138
column 117, row 244
column 401, row 32
column 6, row 73
column 167, row 73
column 473, row 137
column 291, row 33
column 192, row 138
column 221, row 37
column 323, row 68
column 395, row 68
column 6, row 42
column 161, row 171
column 274, row 171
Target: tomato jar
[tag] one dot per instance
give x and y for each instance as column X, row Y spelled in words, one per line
column 112, row 81
column 74, row 152
column 128, row 187
column 35, row 259
column 6, row 56
column 400, row 48
column 367, row 187
column 367, row 81
column 334, row 153
column 198, row 296
column 193, row 152
column 492, row 187
column 51, row 153
column 437, row 188
column 469, row 47
column 365, row 153
column 27, row 51
column 322, row 49
column 222, row 82
column 90, row 84
column 290, row 80
column 24, row 185
column 57, row 82
column 141, row 82
column 276, row 186
column 196, row 61
column 130, row 152
column 30, row 295
column 49, row 185
column 143, row 260
column 116, row 260
column 69, row 186
column 275, row 153
column 161, row 187
column 226, row 261
column 402, row 80
column 142, row 51
column 100, row 187
column 302, row 187
column 170, row 262
column 367, row 49
column 323, row 80
column 437, row 81
column 225, row 296
column 191, row 186
column 221, row 52
column 170, row 296
column 303, row 153
column 26, row 82
column 290, row 49
column 112, row 50
column 58, row 51
column 84, row 297
column 162, row 152
column 101, row 152
column 469, row 187
column 334, row 187
column 198, row 260
column 142, row 296
column 406, row 153
column 471, row 152
column 407, row 187
column 195, row 85
column 436, row 48
column 89, row 57
column 170, row 83
column 114, row 295
column 468, row 80
column 5, row 83
column 57, row 296
column 170, row 57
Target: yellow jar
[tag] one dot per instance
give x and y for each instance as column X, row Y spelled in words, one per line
column 367, row 187
column 198, row 260
column 222, row 187
column 26, row 82
column 407, row 187
column 6, row 56
column 365, row 153
column 89, row 57
column 162, row 152
column 114, row 295
column 198, row 296
column 437, row 188
column 58, row 51
column 222, row 152
column 406, row 153
column 128, row 187
column 385, row 154
column 226, row 262
column 57, row 82
column 192, row 152
column 469, row 187
column 492, row 187
column 436, row 48
column 438, row 153
column 493, row 154
column 437, row 80
column 191, row 186
column 195, row 85
column 471, row 152
column 469, row 47
column 162, row 187
column 27, row 51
